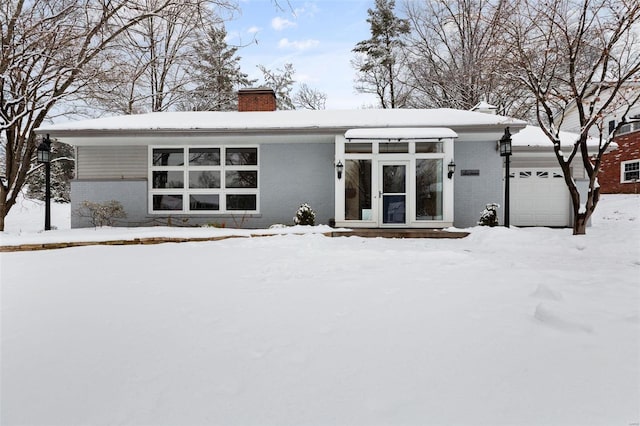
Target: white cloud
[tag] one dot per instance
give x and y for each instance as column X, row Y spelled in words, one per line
column 280, row 24
column 253, row 30
column 309, row 9
column 298, row 45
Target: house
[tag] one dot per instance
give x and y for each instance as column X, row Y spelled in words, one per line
column 421, row 168
column 620, row 172
column 620, row 168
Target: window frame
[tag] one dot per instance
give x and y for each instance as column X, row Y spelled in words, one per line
column 186, row 191
column 623, row 172
column 627, row 128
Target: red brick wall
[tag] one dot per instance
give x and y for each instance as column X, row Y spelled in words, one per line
column 609, row 176
column 256, row 100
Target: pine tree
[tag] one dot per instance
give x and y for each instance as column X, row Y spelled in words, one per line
column 378, row 64
column 62, row 169
column 217, row 74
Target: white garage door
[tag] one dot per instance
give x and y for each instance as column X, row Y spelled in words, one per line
column 539, row 197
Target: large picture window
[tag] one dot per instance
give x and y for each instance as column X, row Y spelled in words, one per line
column 203, row 179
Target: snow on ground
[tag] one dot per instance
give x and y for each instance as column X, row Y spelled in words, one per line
column 505, row 327
column 27, row 217
column 25, row 225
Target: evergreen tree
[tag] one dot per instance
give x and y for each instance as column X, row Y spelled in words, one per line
column 378, row 63
column 217, row 74
column 62, row 169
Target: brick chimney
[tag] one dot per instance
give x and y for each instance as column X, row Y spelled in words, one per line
column 260, row 99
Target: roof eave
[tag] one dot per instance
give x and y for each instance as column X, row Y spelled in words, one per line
column 79, row 133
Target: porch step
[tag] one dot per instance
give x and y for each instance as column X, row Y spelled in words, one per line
column 399, row 233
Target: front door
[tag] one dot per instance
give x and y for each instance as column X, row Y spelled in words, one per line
column 393, row 193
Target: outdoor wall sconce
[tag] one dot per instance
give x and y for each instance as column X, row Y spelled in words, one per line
column 339, row 169
column 451, row 168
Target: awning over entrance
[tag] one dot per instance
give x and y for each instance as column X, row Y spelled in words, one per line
column 413, row 133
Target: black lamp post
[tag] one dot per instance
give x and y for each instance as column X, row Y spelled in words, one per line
column 44, row 157
column 505, row 151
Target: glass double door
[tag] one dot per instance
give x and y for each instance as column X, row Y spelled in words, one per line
column 393, row 193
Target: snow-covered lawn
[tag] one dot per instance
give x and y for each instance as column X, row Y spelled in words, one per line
column 504, row 327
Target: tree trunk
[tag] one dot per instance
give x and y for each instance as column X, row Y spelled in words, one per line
column 4, row 206
column 580, row 221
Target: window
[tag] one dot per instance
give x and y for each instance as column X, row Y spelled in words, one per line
column 429, row 189
column 203, row 179
column 630, row 171
column 358, row 148
column 625, row 128
column 357, row 191
column 429, row 147
column 393, row 148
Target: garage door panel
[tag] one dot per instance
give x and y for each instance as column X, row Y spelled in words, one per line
column 539, row 197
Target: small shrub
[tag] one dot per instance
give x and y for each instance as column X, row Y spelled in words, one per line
column 305, row 215
column 102, row 214
column 489, row 216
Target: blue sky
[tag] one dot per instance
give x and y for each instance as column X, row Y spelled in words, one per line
column 315, row 36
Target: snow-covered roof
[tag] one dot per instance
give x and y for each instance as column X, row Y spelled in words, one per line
column 401, row 133
column 534, row 137
column 285, row 120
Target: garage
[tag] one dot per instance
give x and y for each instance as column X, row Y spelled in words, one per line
column 539, row 197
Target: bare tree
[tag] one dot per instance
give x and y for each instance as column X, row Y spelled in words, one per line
column 147, row 67
column 456, row 56
column 308, row 98
column 281, row 81
column 578, row 55
column 48, row 53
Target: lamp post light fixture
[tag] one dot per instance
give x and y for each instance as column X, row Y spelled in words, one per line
column 505, row 151
column 451, row 168
column 44, row 157
column 339, row 169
